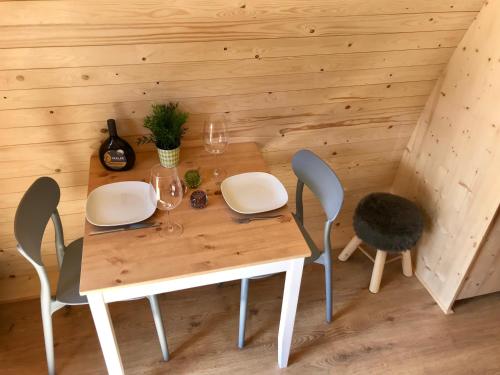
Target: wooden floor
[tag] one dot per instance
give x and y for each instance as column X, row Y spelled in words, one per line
column 398, row 331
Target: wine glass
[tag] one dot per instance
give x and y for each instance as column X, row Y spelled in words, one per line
column 167, row 194
column 215, row 138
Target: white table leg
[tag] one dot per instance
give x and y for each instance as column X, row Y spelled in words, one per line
column 288, row 310
column 106, row 333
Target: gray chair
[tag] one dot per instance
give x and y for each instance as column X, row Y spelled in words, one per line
column 324, row 183
column 38, row 205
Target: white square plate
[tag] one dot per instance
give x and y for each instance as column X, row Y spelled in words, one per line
column 120, row 203
column 254, row 192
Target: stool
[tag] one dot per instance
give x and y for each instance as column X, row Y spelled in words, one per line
column 389, row 223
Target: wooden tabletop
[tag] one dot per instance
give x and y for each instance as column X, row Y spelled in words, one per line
column 211, row 241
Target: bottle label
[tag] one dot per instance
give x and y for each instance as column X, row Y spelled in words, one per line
column 115, row 159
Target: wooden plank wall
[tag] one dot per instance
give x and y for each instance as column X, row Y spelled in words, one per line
column 452, row 162
column 345, row 78
column 484, row 274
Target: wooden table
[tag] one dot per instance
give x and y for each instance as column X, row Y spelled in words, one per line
column 212, row 249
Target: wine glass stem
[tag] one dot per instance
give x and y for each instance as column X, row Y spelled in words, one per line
column 216, row 169
column 169, row 225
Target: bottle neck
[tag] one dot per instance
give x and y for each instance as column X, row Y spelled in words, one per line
column 112, row 128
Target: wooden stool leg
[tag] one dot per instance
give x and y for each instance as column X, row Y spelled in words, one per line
column 406, row 261
column 350, row 248
column 378, row 270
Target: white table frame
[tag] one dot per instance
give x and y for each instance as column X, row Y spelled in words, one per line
column 98, row 301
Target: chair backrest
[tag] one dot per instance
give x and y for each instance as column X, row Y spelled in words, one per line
column 321, row 180
column 37, row 206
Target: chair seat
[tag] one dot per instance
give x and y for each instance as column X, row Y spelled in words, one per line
column 388, row 222
column 68, row 285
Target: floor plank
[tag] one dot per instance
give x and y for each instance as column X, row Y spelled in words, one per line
column 398, row 331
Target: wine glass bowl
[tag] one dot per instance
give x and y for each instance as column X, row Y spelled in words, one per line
column 167, row 193
column 215, row 139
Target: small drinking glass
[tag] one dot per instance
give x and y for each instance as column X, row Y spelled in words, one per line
column 167, row 194
column 215, row 139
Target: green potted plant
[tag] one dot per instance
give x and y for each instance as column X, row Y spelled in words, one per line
column 166, row 124
column 192, row 178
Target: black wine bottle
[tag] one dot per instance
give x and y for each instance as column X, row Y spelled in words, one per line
column 115, row 153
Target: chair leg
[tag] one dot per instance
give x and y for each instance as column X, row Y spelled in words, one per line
column 378, row 270
column 243, row 312
column 328, row 285
column 406, row 261
column 48, row 336
column 155, row 309
column 350, row 248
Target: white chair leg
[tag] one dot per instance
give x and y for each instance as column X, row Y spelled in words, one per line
column 350, row 248
column 155, row 308
column 406, row 262
column 48, row 336
column 378, row 270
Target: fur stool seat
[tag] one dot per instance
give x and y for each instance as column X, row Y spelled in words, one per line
column 389, row 223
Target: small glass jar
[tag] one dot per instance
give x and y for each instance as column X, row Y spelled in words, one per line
column 198, row 199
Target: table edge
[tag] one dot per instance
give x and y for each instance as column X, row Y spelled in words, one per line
column 196, row 274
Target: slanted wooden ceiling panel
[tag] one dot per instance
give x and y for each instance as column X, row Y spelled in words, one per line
column 451, row 166
column 345, row 78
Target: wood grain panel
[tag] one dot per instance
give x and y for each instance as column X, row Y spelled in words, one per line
column 245, row 102
column 50, row 158
column 193, row 31
column 188, row 71
column 484, row 274
column 134, row 12
column 451, row 165
column 70, row 96
column 276, row 122
column 344, row 78
column 95, row 56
